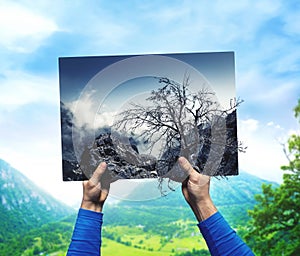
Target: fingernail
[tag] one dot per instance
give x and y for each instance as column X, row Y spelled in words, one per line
column 182, row 160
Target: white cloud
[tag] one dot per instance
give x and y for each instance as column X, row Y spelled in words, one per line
column 31, row 144
column 292, row 131
column 86, row 113
column 292, row 24
column 256, row 87
column 168, row 14
column 277, row 53
column 22, row 30
column 104, row 119
column 274, row 125
column 110, row 33
column 248, row 126
column 213, row 24
column 264, row 154
column 84, row 110
column 19, row 88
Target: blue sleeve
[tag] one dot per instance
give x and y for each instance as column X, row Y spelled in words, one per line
column 221, row 239
column 86, row 238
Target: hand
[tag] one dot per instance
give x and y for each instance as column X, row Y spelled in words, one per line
column 195, row 189
column 96, row 189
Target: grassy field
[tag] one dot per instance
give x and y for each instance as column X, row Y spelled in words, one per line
column 163, row 240
column 110, row 247
column 129, row 240
column 124, row 240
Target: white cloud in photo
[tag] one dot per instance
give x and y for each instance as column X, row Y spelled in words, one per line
column 87, row 113
column 104, row 119
column 84, row 110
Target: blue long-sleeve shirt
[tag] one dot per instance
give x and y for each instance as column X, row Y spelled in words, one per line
column 86, row 239
column 220, row 238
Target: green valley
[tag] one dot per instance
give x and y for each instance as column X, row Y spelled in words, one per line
column 164, row 226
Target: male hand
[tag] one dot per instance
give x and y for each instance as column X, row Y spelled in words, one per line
column 195, row 189
column 95, row 190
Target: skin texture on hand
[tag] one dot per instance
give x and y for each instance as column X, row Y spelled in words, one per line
column 195, row 189
column 96, row 189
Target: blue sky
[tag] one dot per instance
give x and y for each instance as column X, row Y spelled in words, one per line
column 265, row 36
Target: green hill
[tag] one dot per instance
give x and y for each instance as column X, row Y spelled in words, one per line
column 164, row 226
column 24, row 206
column 233, row 196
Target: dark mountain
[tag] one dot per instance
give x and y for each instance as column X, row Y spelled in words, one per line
column 215, row 150
column 24, row 206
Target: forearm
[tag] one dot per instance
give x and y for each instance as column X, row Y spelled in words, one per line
column 204, row 209
column 221, row 239
column 86, row 238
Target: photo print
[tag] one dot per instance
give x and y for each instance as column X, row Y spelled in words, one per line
column 139, row 113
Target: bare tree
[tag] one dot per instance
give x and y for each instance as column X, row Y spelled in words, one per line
column 173, row 117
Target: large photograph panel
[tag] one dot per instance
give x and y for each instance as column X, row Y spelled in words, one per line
column 140, row 113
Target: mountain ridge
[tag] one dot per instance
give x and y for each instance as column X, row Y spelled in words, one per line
column 233, row 196
column 24, row 205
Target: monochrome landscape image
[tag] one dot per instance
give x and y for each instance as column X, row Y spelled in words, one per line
column 140, row 113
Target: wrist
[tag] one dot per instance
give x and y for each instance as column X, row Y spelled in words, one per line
column 88, row 205
column 204, row 209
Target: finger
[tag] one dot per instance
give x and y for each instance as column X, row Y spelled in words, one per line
column 105, row 182
column 185, row 165
column 194, row 177
column 98, row 173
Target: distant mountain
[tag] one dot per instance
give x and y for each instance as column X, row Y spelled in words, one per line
column 233, row 196
column 237, row 189
column 23, row 205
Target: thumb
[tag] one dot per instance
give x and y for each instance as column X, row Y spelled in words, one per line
column 98, row 173
column 194, row 177
column 185, row 165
